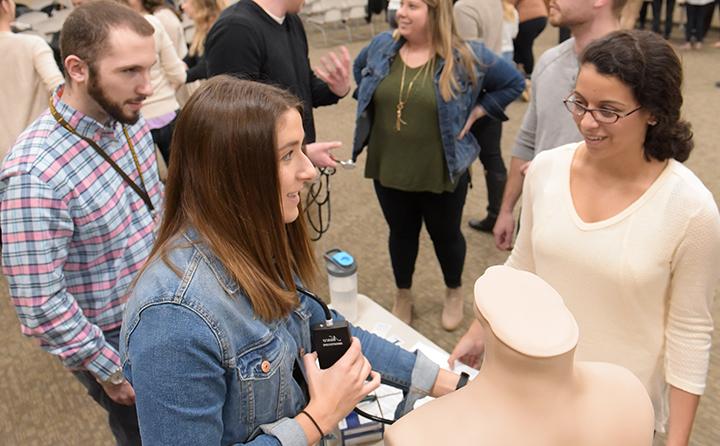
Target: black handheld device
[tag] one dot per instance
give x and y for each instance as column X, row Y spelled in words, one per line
column 330, row 340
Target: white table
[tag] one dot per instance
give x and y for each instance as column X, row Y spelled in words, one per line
column 370, row 313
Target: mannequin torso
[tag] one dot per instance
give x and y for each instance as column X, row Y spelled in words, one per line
column 529, row 390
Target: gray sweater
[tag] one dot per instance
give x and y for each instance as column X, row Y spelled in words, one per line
column 547, row 124
column 480, row 20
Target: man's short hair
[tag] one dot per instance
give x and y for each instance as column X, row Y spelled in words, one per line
column 86, row 31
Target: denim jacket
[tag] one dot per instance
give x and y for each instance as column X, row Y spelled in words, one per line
column 499, row 83
column 207, row 371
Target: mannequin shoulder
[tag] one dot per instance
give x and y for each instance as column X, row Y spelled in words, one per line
column 617, row 403
column 435, row 422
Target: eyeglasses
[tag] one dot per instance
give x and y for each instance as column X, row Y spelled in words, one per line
column 600, row 115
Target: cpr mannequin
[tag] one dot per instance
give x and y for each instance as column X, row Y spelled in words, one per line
column 529, row 390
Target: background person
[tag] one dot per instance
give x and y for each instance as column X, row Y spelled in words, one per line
column 695, row 27
column 623, row 231
column 511, row 23
column 203, row 13
column 168, row 74
column 168, row 17
column 481, row 20
column 533, row 16
column 220, row 311
column 29, row 74
column 393, row 6
column 265, row 41
column 709, row 13
column 669, row 14
column 74, row 231
column 543, row 125
column 414, row 114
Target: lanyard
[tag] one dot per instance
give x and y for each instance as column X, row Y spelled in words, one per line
column 141, row 192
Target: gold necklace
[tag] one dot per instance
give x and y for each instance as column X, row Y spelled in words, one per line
column 402, row 102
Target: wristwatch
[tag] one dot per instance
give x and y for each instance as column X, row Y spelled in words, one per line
column 115, row 378
column 462, row 381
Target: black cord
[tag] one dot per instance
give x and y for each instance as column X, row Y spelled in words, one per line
column 326, row 310
column 372, row 417
column 318, row 197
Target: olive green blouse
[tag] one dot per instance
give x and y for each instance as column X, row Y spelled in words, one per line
column 411, row 159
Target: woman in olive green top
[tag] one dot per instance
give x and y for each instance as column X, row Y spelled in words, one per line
column 419, row 91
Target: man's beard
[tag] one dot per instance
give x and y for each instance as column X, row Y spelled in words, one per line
column 113, row 109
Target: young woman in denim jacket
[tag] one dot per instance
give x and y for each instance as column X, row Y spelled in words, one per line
column 216, row 331
column 414, row 113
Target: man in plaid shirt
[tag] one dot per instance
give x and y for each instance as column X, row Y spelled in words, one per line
column 74, row 230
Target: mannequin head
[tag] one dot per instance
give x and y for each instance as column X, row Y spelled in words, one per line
column 524, row 313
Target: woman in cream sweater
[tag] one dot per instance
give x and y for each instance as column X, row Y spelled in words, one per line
column 28, row 73
column 627, row 234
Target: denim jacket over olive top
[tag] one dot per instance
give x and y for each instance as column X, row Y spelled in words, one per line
column 498, row 84
column 206, row 370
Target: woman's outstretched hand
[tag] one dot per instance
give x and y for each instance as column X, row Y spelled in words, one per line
column 470, row 347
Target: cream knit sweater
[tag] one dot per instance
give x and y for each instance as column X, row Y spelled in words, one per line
column 28, row 74
column 174, row 29
column 641, row 283
column 166, row 75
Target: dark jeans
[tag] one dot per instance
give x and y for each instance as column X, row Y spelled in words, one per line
column 442, row 214
column 163, row 137
column 488, row 133
column 122, row 419
column 695, row 26
column 669, row 9
column 523, row 43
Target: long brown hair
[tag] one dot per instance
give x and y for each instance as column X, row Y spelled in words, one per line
column 446, row 41
column 223, row 182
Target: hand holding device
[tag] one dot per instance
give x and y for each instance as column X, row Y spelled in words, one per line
column 336, row 390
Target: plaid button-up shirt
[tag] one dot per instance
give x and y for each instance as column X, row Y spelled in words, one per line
column 74, row 234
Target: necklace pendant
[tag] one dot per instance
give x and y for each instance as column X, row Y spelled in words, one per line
column 398, row 114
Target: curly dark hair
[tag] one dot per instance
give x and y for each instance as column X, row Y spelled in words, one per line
column 647, row 64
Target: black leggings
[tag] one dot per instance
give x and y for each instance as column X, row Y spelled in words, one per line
column 669, row 9
column 442, row 214
column 488, row 133
column 523, row 43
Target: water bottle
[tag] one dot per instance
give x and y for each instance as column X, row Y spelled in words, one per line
column 342, row 281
